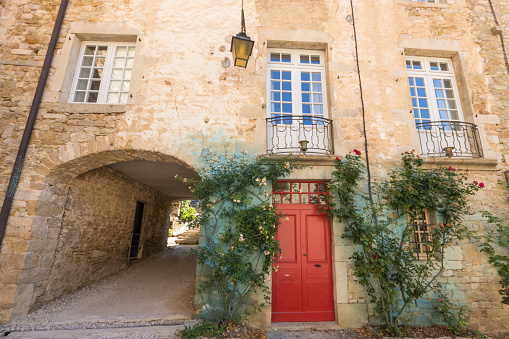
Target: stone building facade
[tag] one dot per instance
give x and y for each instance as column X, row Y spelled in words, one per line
column 174, row 94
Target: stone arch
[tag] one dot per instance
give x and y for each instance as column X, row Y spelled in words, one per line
column 38, row 281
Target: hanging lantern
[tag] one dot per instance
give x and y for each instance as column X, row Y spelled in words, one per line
column 242, row 45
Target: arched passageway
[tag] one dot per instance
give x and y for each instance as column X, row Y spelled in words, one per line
column 94, row 215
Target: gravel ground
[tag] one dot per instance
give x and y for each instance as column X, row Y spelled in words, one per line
column 158, row 290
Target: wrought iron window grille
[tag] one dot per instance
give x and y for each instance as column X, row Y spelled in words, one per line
column 287, row 133
column 449, row 139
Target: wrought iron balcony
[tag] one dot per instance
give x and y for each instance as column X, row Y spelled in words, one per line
column 449, row 139
column 289, row 133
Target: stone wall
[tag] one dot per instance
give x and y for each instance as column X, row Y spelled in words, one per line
column 95, row 235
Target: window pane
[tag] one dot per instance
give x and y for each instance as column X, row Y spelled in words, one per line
column 447, row 84
column 318, row 109
column 287, row 96
column 441, row 103
column 317, row 77
column 315, row 59
column 304, row 59
column 433, row 66
column 121, row 51
column 412, row 91
column 423, row 103
column 130, row 51
column 79, row 97
column 295, row 199
column 449, row 94
column 286, row 198
column 92, row 97
column 306, row 97
column 84, row 72
column 424, row 113
column 286, row 58
column 411, row 81
column 317, row 98
column 287, row 86
column 306, row 109
column 317, row 87
column 276, row 107
column 119, row 63
column 99, row 62
column 87, row 61
column 304, row 199
column 117, row 74
column 123, row 98
column 112, row 98
column 305, row 76
column 129, row 63
column 444, row 67
column 90, row 50
column 419, row 82
column 97, row 74
column 454, row 115
column 125, row 86
column 313, row 198
column 437, row 83
column 443, row 115
column 439, row 93
column 274, row 56
column 322, row 187
column 115, row 85
column 286, row 75
column 102, row 50
column 306, row 86
column 452, row 104
column 287, row 108
column 94, row 85
column 82, row 84
column 127, row 74
column 275, row 75
column 275, row 96
column 421, row 92
column 295, row 187
column 276, row 85
column 417, row 65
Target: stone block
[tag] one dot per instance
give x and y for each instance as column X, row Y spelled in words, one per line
column 423, row 303
column 453, row 253
column 453, row 265
column 497, row 312
column 352, row 315
column 341, row 275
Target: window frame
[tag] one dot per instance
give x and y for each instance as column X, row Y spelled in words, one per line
column 428, row 75
column 295, row 67
column 107, row 72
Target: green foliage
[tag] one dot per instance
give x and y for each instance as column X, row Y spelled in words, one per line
column 240, row 224
column 495, row 244
column 381, row 226
column 187, row 213
column 205, row 329
column 455, row 316
column 170, row 232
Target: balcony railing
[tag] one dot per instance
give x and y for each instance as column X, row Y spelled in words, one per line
column 286, row 134
column 449, row 139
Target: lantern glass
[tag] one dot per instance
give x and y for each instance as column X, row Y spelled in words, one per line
column 241, row 49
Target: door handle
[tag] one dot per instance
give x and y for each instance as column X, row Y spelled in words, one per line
column 318, row 265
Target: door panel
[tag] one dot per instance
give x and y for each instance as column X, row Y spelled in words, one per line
column 302, row 286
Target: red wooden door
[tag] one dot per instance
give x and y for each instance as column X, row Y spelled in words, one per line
column 302, row 285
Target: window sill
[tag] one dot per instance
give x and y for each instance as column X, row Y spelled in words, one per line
column 473, row 164
column 312, row 160
column 409, row 3
column 90, row 108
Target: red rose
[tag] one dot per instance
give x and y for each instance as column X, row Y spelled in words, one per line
column 337, row 158
column 357, row 152
column 373, row 256
column 481, row 185
column 475, row 182
column 440, row 299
